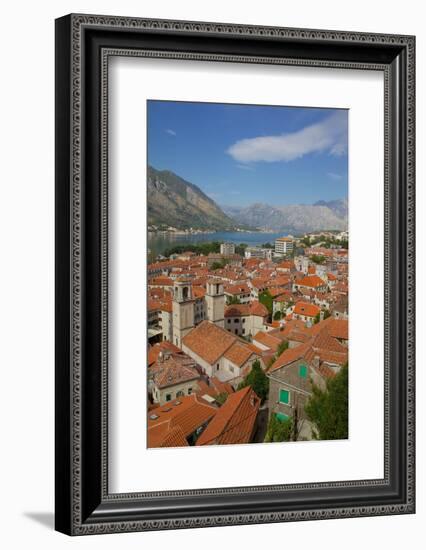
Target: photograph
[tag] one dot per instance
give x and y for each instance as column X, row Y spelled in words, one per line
column 225, row 195
column 247, row 274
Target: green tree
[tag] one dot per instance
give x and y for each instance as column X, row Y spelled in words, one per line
column 219, row 265
column 202, row 248
column 326, row 314
column 221, row 398
column 317, row 317
column 328, row 409
column 240, row 249
column 233, row 300
column 318, row 259
column 257, row 380
column 281, row 348
column 278, row 315
column 266, row 299
column 278, row 430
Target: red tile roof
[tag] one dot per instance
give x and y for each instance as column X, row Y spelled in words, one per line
column 235, row 420
column 174, row 438
column 209, row 341
column 160, row 281
column 289, row 356
column 173, row 370
column 167, row 424
column 238, row 354
column 323, row 343
column 307, row 309
column 312, row 281
column 214, row 387
column 243, row 310
column 268, row 340
column 161, row 346
column 234, row 290
column 258, row 309
column 286, row 265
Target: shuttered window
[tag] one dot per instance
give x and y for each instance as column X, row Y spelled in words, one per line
column 281, row 417
column 284, row 396
column 303, row 371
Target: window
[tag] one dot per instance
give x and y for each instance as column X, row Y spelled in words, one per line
column 168, row 397
column 189, row 391
column 281, row 417
column 244, row 320
column 229, row 320
column 284, row 397
column 244, row 330
column 217, row 366
column 235, row 320
column 236, row 331
column 303, row 371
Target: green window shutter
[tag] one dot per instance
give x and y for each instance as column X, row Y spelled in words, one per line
column 284, row 396
column 303, row 371
column 281, row 417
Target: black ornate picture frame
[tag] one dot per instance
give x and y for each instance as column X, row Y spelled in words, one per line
column 84, row 43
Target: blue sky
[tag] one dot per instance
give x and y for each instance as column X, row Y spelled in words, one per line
column 242, row 154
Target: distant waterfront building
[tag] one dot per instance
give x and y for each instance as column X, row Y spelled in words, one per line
column 284, row 245
column 231, row 259
column 227, row 248
column 257, row 252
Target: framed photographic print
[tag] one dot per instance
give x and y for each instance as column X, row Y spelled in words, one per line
column 234, row 274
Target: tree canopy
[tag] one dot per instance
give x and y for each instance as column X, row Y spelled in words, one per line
column 318, row 259
column 266, row 299
column 278, row 430
column 328, row 409
column 257, row 380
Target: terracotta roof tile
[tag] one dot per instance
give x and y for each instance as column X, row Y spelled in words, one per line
column 289, row 356
column 312, row 281
column 173, row 370
column 234, row 290
column 209, row 341
column 307, row 309
column 161, row 346
column 234, row 421
column 243, row 310
column 180, row 416
column 268, row 340
column 238, row 354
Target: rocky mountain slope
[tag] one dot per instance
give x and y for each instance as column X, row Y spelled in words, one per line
column 172, row 201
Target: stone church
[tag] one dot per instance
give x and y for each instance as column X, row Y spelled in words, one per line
column 190, row 307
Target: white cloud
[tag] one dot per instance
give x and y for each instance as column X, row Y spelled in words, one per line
column 329, row 136
column 245, row 167
column 170, row 132
column 334, row 176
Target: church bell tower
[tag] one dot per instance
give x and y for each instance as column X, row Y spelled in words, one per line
column 183, row 310
column 215, row 302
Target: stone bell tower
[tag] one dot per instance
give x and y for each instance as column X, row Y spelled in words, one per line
column 215, row 302
column 183, row 310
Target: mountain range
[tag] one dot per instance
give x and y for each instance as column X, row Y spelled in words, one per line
column 173, row 201
column 296, row 218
